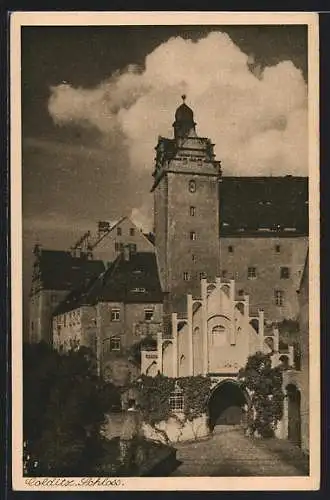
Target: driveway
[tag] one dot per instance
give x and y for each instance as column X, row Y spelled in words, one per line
column 230, row 453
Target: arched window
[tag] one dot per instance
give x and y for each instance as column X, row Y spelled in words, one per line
column 218, row 335
column 269, row 341
column 196, row 331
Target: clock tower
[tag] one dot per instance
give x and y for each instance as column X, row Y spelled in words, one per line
column 186, row 210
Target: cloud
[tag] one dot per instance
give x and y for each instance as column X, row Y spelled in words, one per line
column 257, row 117
column 142, row 217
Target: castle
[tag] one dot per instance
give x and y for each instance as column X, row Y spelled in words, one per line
column 212, row 283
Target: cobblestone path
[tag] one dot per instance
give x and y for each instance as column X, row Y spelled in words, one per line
column 230, row 453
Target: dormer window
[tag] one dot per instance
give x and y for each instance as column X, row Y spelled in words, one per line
column 192, row 186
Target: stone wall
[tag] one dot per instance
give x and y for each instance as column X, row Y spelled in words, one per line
column 185, row 255
column 267, row 255
column 177, row 429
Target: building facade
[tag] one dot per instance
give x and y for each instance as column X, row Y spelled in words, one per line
column 55, row 275
column 114, row 311
column 217, row 336
column 251, row 229
column 110, row 240
column 296, row 382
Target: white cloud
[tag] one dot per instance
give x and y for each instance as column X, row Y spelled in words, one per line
column 142, row 218
column 256, row 117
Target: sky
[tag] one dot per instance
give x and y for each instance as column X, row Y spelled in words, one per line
column 95, row 99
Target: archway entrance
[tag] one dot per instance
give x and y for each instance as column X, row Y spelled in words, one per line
column 226, row 404
column 294, row 415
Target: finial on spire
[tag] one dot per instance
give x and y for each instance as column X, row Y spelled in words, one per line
column 184, row 97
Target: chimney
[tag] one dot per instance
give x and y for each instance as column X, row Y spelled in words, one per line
column 103, row 227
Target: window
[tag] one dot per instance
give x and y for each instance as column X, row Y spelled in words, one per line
column 176, row 400
column 192, row 186
column 241, row 292
column 192, row 211
column 115, row 344
column 218, row 335
column 193, row 258
column 231, row 249
column 224, row 273
column 119, row 231
column 285, row 273
column 132, row 231
column 279, row 297
column 119, row 246
column 115, row 314
column 132, row 247
column 202, row 275
column 252, row 272
column 186, row 276
column 277, row 248
column 192, row 235
column 148, row 314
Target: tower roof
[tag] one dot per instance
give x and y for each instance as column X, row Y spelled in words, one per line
column 184, row 124
column 184, row 113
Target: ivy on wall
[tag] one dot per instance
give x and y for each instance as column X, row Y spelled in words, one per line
column 155, row 392
column 264, row 384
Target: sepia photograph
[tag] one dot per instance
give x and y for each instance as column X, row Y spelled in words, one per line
column 165, row 238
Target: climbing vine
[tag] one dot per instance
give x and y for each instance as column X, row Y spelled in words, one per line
column 264, row 384
column 155, row 392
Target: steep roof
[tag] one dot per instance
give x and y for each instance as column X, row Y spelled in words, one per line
column 59, row 270
column 135, row 280
column 253, row 204
column 104, row 235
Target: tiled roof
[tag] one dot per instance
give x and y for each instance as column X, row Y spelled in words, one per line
column 131, row 281
column 256, row 204
column 59, row 270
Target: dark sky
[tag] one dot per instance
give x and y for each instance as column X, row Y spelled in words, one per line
column 66, row 190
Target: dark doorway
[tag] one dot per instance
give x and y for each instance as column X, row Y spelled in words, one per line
column 226, row 405
column 294, row 416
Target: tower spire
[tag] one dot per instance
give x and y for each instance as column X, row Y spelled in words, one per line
column 184, row 124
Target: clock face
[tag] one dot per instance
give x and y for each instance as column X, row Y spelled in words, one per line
column 192, row 186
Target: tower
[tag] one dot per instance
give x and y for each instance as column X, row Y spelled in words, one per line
column 186, row 209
